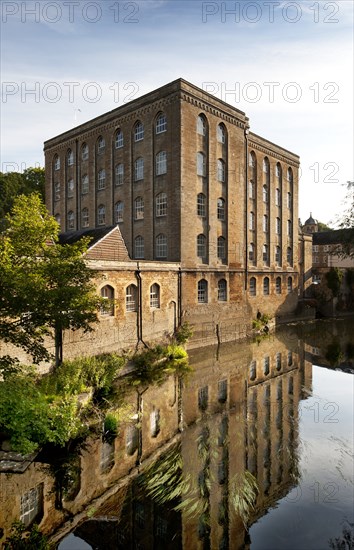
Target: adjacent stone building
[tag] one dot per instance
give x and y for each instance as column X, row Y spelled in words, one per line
column 185, row 181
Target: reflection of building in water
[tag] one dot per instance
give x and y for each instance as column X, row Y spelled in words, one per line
column 239, row 411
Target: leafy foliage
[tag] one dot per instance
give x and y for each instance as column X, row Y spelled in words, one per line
column 184, row 333
column 154, row 365
column 334, row 278
column 34, row 539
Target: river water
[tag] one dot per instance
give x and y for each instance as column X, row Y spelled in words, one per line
column 253, row 450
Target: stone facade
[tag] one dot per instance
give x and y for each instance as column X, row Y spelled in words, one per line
column 186, row 182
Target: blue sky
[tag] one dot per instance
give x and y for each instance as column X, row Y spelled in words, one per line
column 288, row 65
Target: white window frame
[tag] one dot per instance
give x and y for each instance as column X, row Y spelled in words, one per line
column 101, row 144
column 70, row 158
column 222, row 290
column 56, row 163
column 253, row 286
column 71, row 188
column 139, row 131
column 221, row 210
column 161, row 124
column 71, row 219
column 101, row 179
column 84, row 184
column 201, row 125
column 221, row 133
column 119, row 139
column 101, row 215
column 139, row 247
column 161, row 163
column 139, row 169
column 131, row 295
column 201, row 164
column 201, row 205
column 161, row 205
column 155, row 296
column 221, row 248
column 161, row 246
column 57, row 191
column 85, row 152
column 119, row 211
column 202, row 295
column 119, row 174
column 139, row 208
column 201, row 246
column 85, row 217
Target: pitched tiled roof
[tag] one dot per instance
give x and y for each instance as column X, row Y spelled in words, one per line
column 106, row 243
column 334, row 237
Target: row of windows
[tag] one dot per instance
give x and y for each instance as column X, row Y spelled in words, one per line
column 252, row 161
column 265, row 254
column 202, row 129
column 265, row 194
column 202, row 167
column 202, row 247
column 138, row 132
column 266, row 286
column 265, row 224
column 131, row 298
column 202, row 206
column 266, row 369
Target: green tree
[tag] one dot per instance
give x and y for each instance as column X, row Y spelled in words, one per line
column 13, row 184
column 45, row 287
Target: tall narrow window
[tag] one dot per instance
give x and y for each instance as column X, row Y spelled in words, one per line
column 202, row 291
column 251, row 189
column 139, row 169
column 70, row 157
column 277, row 197
column 221, row 209
column 70, row 188
column 139, row 208
column 289, row 200
column 161, row 123
column 221, row 170
column 201, row 246
column 252, row 161
column 289, row 228
column 222, row 249
column 253, row 286
column 251, row 252
column 289, row 255
column 161, row 205
column 31, row 508
column 119, row 174
column 57, row 191
column 265, row 224
column 101, row 144
column 101, row 184
column 253, row 370
column 138, row 131
column 277, row 226
column 265, row 193
column 84, row 217
column 161, row 163
column 155, row 296
column 265, row 254
column 266, row 165
column 278, row 285
column 107, row 294
column 139, row 247
column 85, row 184
column 71, row 220
column 278, row 170
column 119, row 141
column 221, row 133
column 203, row 398
column 101, row 215
column 278, row 255
column 252, row 224
column 118, row 211
column 201, row 205
column 290, row 285
column 161, row 246
column 266, row 365
column 289, row 175
column 201, row 125
column 56, row 162
column 131, row 298
column 201, row 164
column 85, row 152
column 155, row 422
column 266, row 286
column 222, row 290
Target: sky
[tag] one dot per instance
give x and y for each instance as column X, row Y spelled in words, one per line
column 288, row 65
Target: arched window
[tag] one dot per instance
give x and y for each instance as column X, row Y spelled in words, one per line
column 101, row 144
column 201, row 246
column 161, row 123
column 289, row 228
column 290, row 202
column 101, row 215
column 161, row 163
column 201, row 205
column 70, row 157
column 138, row 131
column 266, row 286
column 71, row 220
column 131, row 298
column 107, row 293
column 252, row 224
column 265, row 223
column 289, row 175
column 70, row 188
column 221, row 170
column 253, row 370
column 139, row 247
column 139, row 169
column 222, row 290
column 101, row 183
column 119, row 139
column 266, row 165
column 277, row 226
column 84, row 217
column 139, row 208
column 265, row 254
column 278, row 359
column 56, row 162
column 202, row 291
column 289, row 255
column 253, row 286
column 278, row 285
column 290, row 285
column 251, row 189
column 290, row 358
column 251, row 252
column 118, row 211
column 155, row 296
column 252, row 160
column 222, row 249
column 161, row 205
column 119, row 174
column 85, row 152
column 57, row 218
column 57, row 191
column 201, row 125
column 84, row 184
column 265, row 193
column 266, row 365
column 277, row 255
column 155, row 422
column 161, row 246
column 278, row 170
column 277, row 197
column 221, row 133
column 221, row 209
column 201, row 164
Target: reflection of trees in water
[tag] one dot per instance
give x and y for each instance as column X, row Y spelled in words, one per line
column 346, row 540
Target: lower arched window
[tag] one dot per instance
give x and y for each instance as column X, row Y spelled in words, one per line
column 107, row 294
column 222, row 290
column 131, row 298
column 266, row 286
column 253, row 286
column 155, row 296
column 290, row 284
column 278, row 285
column 202, row 291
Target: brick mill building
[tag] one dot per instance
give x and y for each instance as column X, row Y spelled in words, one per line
column 203, row 211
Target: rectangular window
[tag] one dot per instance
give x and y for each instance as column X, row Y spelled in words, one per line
column 203, row 396
column 32, row 505
column 222, row 391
